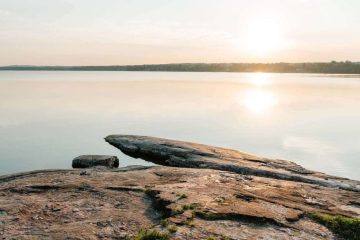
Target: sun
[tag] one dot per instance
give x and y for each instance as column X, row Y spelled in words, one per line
column 263, row 37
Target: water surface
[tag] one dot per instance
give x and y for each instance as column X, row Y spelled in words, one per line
column 48, row 118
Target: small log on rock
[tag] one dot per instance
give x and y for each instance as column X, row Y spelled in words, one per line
column 88, row 161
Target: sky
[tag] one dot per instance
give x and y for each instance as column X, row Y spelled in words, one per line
column 121, row 32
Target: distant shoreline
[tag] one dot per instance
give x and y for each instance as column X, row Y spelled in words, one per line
column 325, row 68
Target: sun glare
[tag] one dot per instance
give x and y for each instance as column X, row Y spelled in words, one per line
column 262, row 38
column 259, row 101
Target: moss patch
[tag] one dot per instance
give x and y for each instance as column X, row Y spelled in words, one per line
column 181, row 195
column 345, row 227
column 191, row 206
column 151, row 235
column 172, row 229
column 164, row 223
column 190, row 223
column 175, row 212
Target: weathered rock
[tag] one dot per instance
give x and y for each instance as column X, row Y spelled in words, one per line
column 191, row 155
column 88, row 161
column 201, row 203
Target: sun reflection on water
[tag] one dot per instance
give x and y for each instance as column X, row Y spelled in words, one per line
column 259, row 100
column 259, row 79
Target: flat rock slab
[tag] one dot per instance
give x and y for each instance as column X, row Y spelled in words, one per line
column 192, row 155
column 205, row 192
column 88, row 161
column 202, row 203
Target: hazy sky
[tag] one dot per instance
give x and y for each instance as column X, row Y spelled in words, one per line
column 103, row 32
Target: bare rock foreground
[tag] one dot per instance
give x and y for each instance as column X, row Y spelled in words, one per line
column 200, row 192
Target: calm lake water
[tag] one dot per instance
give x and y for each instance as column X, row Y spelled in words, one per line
column 48, row 118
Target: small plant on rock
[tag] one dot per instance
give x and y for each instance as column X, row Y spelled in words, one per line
column 346, row 227
column 181, row 195
column 164, row 223
column 189, row 223
column 172, row 229
column 191, row 206
column 151, row 235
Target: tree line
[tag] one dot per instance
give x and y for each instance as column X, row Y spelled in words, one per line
column 333, row 67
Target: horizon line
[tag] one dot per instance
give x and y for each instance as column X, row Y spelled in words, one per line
column 180, row 63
